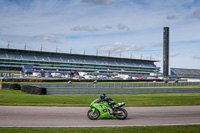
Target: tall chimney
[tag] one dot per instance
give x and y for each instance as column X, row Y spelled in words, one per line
column 166, row 51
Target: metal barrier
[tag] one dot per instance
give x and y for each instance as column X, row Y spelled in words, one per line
column 80, row 91
column 117, row 88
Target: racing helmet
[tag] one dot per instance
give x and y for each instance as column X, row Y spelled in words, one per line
column 102, row 96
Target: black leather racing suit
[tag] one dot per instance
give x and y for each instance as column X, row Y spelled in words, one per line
column 110, row 102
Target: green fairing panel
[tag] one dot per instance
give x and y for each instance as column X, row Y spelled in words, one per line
column 104, row 114
column 102, row 108
column 119, row 104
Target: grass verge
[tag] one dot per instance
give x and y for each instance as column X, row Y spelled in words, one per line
column 14, row 72
column 16, row 97
column 142, row 129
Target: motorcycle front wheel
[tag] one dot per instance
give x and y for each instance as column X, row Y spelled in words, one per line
column 93, row 115
column 121, row 114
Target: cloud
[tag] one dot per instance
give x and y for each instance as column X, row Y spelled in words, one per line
column 173, row 17
column 196, row 57
column 197, row 14
column 134, row 48
column 99, row 2
column 85, row 28
column 160, row 44
column 113, row 47
column 108, row 27
column 122, row 27
column 118, row 47
column 53, row 38
column 173, row 54
column 94, row 28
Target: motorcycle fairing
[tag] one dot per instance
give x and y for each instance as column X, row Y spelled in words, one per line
column 102, row 107
column 119, row 104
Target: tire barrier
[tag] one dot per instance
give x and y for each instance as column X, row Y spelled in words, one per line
column 9, row 86
column 33, row 89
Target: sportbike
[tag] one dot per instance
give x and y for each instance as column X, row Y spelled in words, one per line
column 102, row 109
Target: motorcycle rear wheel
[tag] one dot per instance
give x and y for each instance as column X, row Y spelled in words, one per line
column 93, row 115
column 122, row 115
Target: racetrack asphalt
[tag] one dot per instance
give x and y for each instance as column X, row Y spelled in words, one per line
column 51, row 116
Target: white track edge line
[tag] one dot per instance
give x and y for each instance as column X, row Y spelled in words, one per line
column 114, row 125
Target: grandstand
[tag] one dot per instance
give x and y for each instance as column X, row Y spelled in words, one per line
column 185, row 72
column 15, row 59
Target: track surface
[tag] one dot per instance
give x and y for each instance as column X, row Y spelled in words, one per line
column 41, row 116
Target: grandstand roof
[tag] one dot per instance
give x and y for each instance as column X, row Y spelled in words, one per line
column 74, row 55
column 185, row 72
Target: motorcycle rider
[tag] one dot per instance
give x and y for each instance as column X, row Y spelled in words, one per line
column 109, row 100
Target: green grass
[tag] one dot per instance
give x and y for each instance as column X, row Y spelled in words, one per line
column 142, row 129
column 16, row 97
column 14, row 72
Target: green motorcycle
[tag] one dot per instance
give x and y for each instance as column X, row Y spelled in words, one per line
column 103, row 110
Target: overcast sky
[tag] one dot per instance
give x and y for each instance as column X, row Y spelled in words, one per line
column 130, row 28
